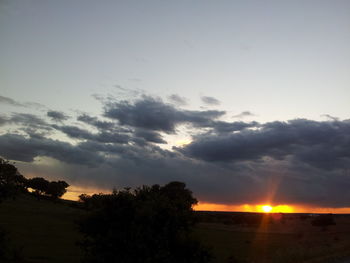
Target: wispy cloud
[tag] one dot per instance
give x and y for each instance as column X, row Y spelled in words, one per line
column 244, row 114
column 210, row 100
column 12, row 102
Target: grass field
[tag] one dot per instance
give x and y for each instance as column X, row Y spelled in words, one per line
column 47, row 233
column 256, row 245
column 45, row 230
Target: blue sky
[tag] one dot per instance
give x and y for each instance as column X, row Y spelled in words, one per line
column 274, row 60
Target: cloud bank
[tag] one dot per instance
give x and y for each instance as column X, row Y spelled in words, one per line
column 291, row 162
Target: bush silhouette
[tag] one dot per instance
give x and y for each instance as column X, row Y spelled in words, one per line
column 149, row 224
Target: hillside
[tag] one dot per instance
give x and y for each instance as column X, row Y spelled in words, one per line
column 43, row 229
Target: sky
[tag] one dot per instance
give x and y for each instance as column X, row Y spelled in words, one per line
column 245, row 101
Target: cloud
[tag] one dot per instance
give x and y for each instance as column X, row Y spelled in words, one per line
column 94, row 121
column 107, row 165
column 17, row 147
column 324, row 145
column 104, row 137
column 25, row 120
column 9, row 101
column 210, row 100
column 297, row 161
column 57, row 116
column 330, row 117
column 12, row 102
column 229, row 127
column 34, row 105
column 149, row 136
column 244, row 114
column 3, row 120
column 153, row 114
column 178, row 100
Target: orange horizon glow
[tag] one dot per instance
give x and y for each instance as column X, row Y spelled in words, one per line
column 262, row 208
column 73, row 193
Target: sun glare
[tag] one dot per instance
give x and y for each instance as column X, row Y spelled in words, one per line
column 266, row 208
column 183, row 142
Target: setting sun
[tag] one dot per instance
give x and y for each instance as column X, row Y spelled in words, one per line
column 266, row 208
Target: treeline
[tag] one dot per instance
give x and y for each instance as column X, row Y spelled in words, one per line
column 12, row 183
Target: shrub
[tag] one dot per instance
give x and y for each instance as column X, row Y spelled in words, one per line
column 149, row 224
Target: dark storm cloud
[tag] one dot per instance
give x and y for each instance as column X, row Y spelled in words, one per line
column 29, row 124
column 210, row 100
column 104, row 137
column 151, row 113
column 94, row 121
column 17, row 147
column 3, row 120
column 141, row 136
column 150, row 136
column 320, row 144
column 299, row 161
column 178, row 100
column 74, row 132
column 25, row 120
column 89, row 153
column 147, row 113
column 57, row 116
column 227, row 127
column 127, row 152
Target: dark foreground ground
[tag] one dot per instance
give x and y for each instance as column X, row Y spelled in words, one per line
column 45, row 231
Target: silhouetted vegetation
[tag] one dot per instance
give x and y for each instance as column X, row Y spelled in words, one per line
column 43, row 187
column 38, row 184
column 11, row 181
column 149, row 224
column 56, row 189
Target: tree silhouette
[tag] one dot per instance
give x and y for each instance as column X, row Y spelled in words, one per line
column 39, row 184
column 56, row 189
column 11, row 181
column 149, row 224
